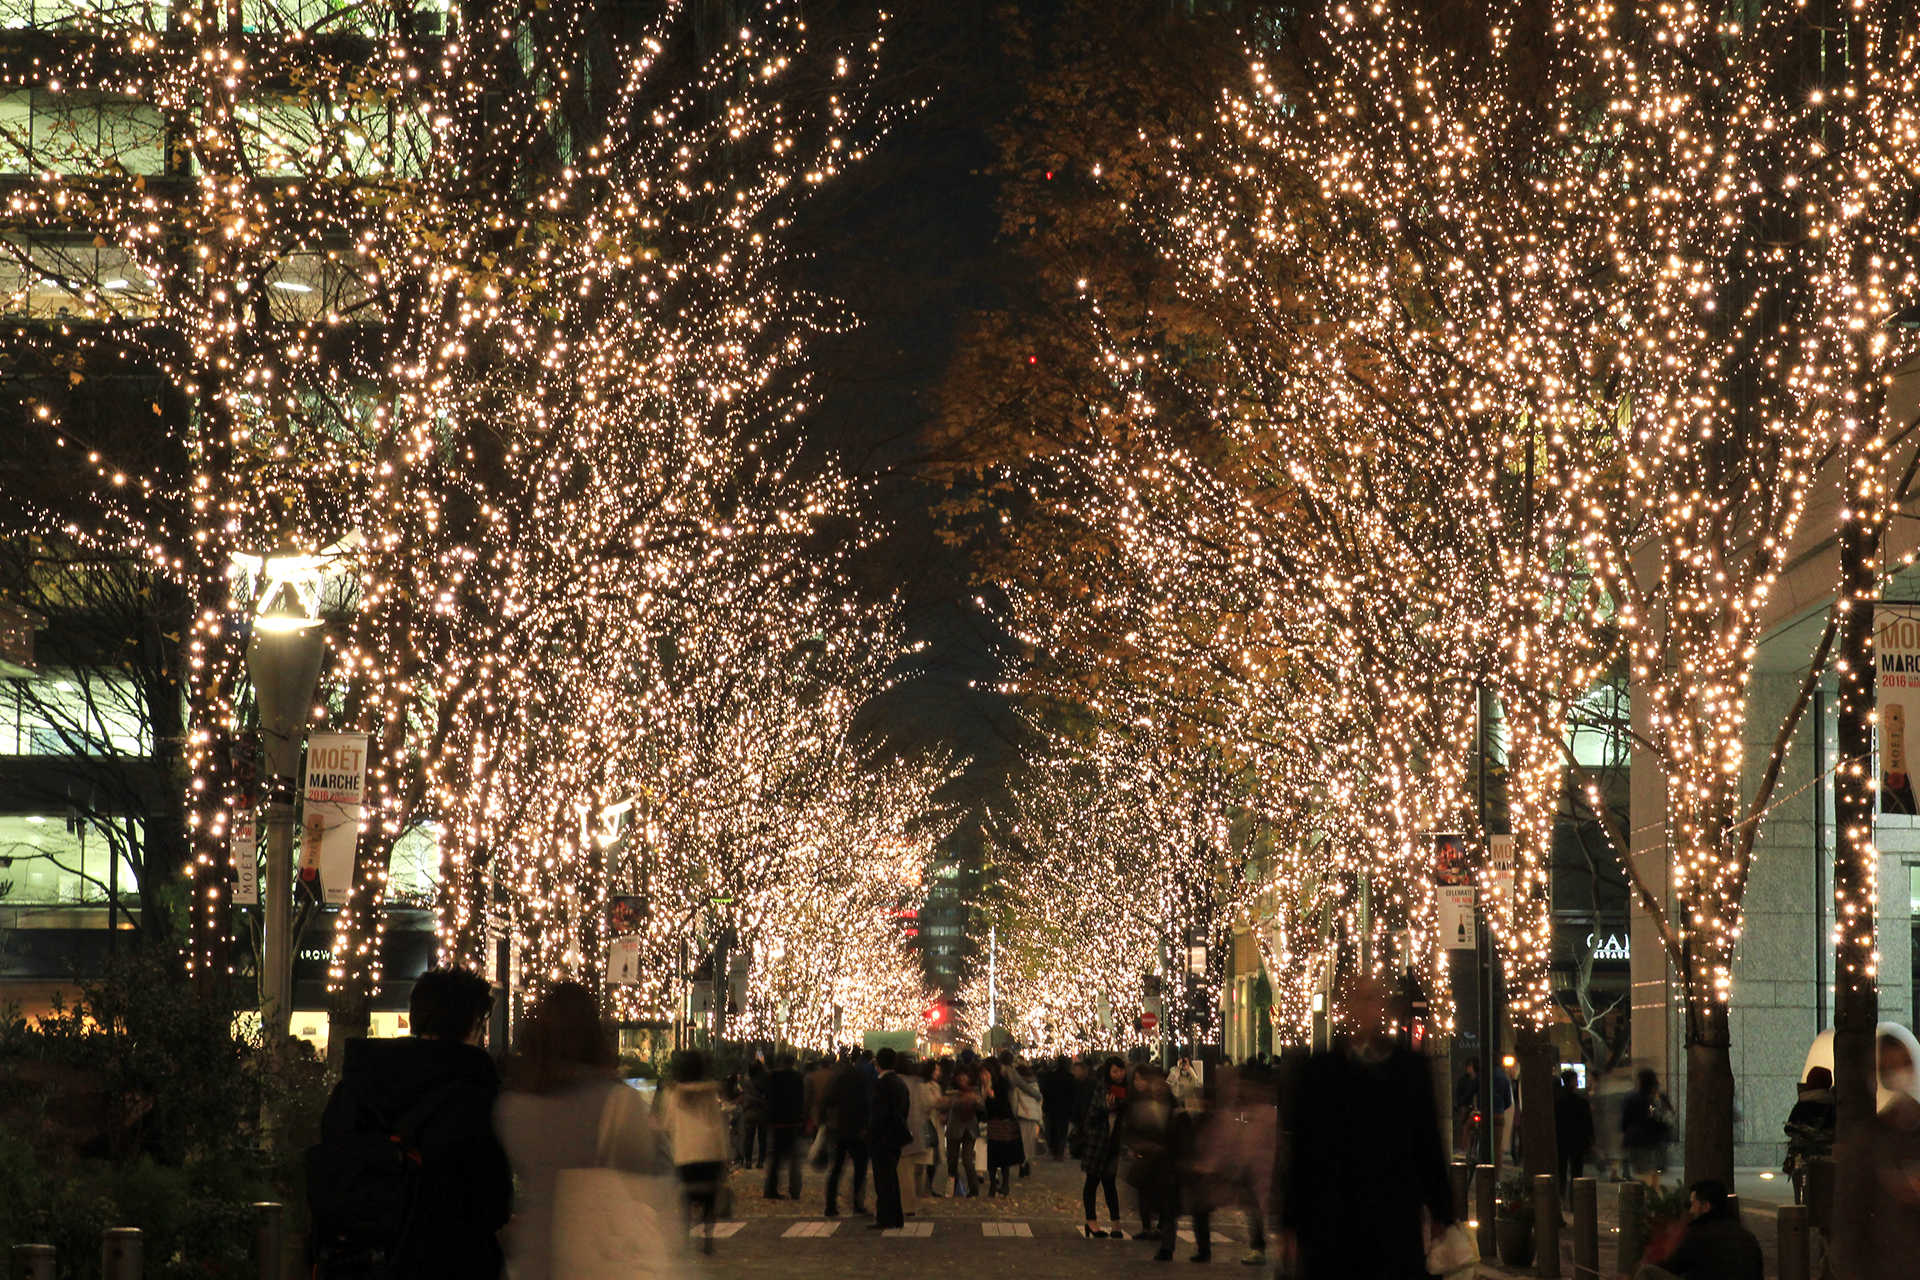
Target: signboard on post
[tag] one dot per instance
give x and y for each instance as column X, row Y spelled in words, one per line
column 245, row 851
column 623, row 913
column 1896, row 648
column 1459, row 930
column 623, row 962
column 336, row 790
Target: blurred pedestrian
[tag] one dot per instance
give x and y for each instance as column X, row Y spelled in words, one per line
column 850, row 1110
column 1646, row 1127
column 1004, row 1150
column 1150, row 1166
column 1572, row 1131
column 926, row 1124
column 1100, row 1146
column 1876, row 1210
column 563, row 1109
column 1366, row 1171
column 1234, row 1155
column 961, row 1107
column 888, row 1135
column 1057, row 1092
column 691, row 1115
column 786, row 1121
column 753, row 1116
column 1028, row 1108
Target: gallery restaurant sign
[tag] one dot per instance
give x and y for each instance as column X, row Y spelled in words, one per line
column 335, row 793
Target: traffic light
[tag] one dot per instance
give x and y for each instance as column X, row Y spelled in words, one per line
column 1150, row 985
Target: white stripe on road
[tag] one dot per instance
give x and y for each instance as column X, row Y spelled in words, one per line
column 721, row 1230
column 1006, row 1229
column 913, row 1230
column 812, row 1230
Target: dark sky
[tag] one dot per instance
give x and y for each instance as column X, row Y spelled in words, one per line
column 908, row 239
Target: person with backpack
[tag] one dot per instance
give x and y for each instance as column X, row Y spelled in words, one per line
column 408, row 1179
column 563, row 1109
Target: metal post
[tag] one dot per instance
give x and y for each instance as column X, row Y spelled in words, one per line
column 269, row 1239
column 993, row 954
column 276, row 942
column 1460, row 1174
column 32, row 1262
column 1796, row 1254
column 120, row 1254
column 1546, row 1227
column 1483, row 1209
column 1586, row 1228
column 1633, row 1227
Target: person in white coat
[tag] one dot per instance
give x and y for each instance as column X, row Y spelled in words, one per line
column 561, row 1102
column 1027, row 1109
column 690, row 1113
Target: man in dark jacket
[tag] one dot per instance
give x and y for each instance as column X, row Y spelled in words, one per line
column 1572, row 1131
column 1058, row 1091
column 888, row 1137
column 849, row 1106
column 786, row 1113
column 465, row 1184
column 1366, row 1156
column 1715, row 1247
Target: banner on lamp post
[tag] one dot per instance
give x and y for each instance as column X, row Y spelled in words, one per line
column 623, row 962
column 335, row 792
column 1459, row 930
column 244, row 848
column 1896, row 690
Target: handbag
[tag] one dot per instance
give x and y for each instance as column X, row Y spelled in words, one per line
column 1003, row 1130
column 1452, row 1250
column 607, row 1223
column 821, row 1151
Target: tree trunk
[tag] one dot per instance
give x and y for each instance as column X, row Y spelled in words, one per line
column 1855, row 797
column 1709, row 1094
column 1538, row 1138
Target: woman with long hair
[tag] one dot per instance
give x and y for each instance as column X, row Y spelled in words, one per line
column 1100, row 1158
column 561, row 1095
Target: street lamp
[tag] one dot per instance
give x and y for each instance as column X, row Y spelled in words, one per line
column 284, row 654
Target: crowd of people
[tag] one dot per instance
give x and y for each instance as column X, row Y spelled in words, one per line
column 431, row 1164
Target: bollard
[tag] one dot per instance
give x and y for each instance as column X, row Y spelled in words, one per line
column 1546, row 1227
column 1796, row 1250
column 1633, row 1228
column 120, row 1254
column 32, row 1262
column 1586, row 1229
column 269, row 1239
column 1483, row 1190
column 1460, row 1177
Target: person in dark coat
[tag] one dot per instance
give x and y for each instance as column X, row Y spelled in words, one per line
column 1572, row 1131
column 1715, row 1247
column 851, row 1105
column 1365, row 1157
column 1100, row 1153
column 786, row 1114
column 888, row 1136
column 1151, row 1170
column 1057, row 1092
column 1005, row 1150
column 466, row 1183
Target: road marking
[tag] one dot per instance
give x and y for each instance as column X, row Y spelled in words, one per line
column 913, row 1230
column 721, row 1230
column 1006, row 1229
column 811, row 1230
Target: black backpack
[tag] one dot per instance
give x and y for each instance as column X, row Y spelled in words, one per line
column 363, row 1191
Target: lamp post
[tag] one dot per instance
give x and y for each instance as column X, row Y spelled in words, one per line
column 284, row 654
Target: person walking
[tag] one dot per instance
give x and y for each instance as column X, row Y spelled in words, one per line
column 1004, row 1150
column 786, row 1118
column 1028, row 1108
column 753, row 1115
column 889, row 1135
column 961, row 1105
column 1057, row 1092
column 1151, row 1167
column 1100, row 1147
column 1646, row 1127
column 435, row 1089
column 1572, row 1131
column 1367, row 1171
column 1234, row 1156
column 563, row 1109
column 925, row 1119
column 851, row 1110
column 690, row 1113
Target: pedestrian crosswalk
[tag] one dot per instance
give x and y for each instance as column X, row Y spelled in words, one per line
column 1004, row 1229
column 913, row 1230
column 811, row 1230
column 721, row 1230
